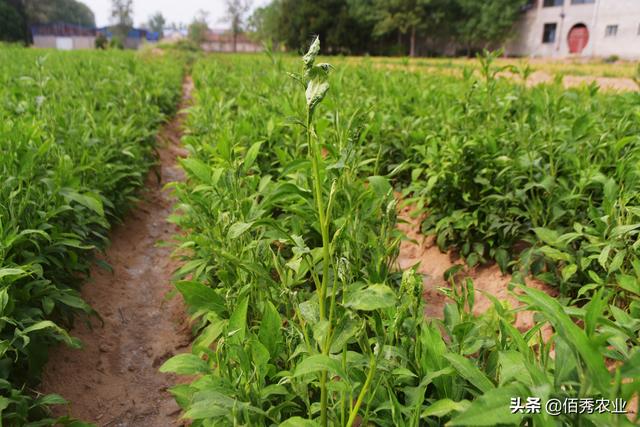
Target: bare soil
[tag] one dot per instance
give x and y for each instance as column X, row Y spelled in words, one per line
column 616, row 84
column 114, row 380
column 607, row 84
column 433, row 264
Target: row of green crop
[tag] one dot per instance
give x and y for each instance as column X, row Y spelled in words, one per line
column 542, row 181
column 300, row 316
column 77, row 133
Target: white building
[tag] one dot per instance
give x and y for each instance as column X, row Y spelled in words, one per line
column 222, row 41
column 588, row 28
column 63, row 36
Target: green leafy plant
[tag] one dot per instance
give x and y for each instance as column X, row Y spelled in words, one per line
column 77, row 137
column 300, row 314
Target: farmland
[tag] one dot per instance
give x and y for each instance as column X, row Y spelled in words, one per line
column 77, row 137
column 302, row 316
column 301, row 181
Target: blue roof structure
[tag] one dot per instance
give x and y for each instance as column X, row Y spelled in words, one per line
column 134, row 33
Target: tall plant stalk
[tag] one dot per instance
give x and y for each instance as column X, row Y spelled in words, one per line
column 316, row 89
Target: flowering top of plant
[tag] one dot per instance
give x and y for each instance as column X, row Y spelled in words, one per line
column 315, row 76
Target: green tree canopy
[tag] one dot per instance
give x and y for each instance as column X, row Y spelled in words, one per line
column 157, row 23
column 67, row 11
column 122, row 16
column 386, row 26
column 236, row 13
column 485, row 23
column 199, row 28
column 13, row 23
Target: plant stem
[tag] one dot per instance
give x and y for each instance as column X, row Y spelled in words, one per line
column 363, row 392
column 314, row 153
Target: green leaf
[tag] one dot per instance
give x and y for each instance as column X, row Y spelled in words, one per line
column 208, row 335
column 318, row 363
column 11, row 272
column 51, row 399
column 469, row 372
column 555, row 254
column 571, row 333
column 629, row 283
column 201, row 297
column 237, row 229
column 373, row 297
column 4, row 300
column 197, row 168
column 617, row 261
column 444, row 407
column 251, row 156
column 4, row 404
column 298, row 422
column 89, row 200
column 185, row 364
column 550, row 237
column 623, row 229
column 491, row 409
column 604, row 256
column 270, row 334
column 380, row 185
column 568, row 271
column 214, row 404
column 631, row 368
column 238, row 322
column 316, row 91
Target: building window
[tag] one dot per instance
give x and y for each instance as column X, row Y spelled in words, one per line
column 552, row 3
column 611, row 31
column 549, row 33
column 582, row 1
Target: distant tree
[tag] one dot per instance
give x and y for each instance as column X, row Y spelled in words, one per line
column 408, row 17
column 379, row 26
column 52, row 11
column 332, row 20
column 481, row 24
column 199, row 28
column 157, row 23
column 122, row 17
column 264, row 23
column 236, row 13
column 13, row 22
column 116, row 43
column 101, row 41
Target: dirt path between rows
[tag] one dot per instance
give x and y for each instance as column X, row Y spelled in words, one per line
column 423, row 250
column 114, row 379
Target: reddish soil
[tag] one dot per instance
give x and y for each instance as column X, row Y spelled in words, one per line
column 612, row 84
column 617, row 84
column 433, row 263
column 114, row 380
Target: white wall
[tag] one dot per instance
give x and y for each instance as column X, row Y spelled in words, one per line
column 64, row 43
column 596, row 16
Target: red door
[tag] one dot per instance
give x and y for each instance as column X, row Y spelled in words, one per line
column 578, row 38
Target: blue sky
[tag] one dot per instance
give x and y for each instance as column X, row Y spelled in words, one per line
column 173, row 10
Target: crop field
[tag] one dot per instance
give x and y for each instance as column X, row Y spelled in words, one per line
column 294, row 179
column 77, row 132
column 300, row 175
column 576, row 67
